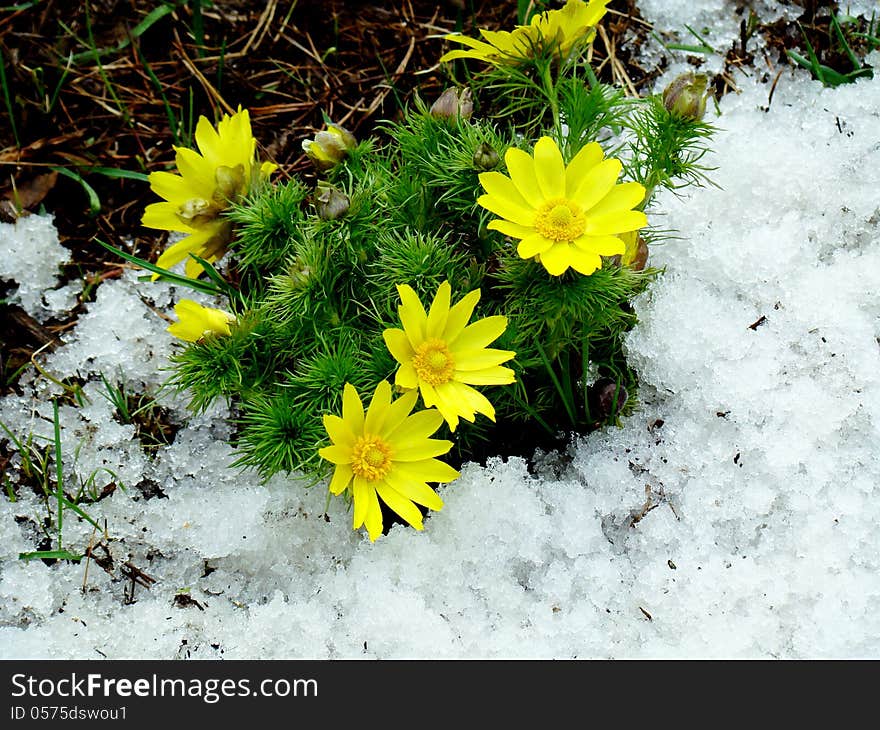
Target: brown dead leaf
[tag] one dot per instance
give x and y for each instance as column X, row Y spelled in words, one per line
column 27, row 195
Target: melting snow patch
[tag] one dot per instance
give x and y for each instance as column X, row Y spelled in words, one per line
column 733, row 515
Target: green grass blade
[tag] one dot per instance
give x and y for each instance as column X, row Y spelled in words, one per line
column 569, row 407
column 58, row 470
column 198, row 27
column 50, row 555
column 10, row 490
column 116, row 173
column 151, row 18
column 94, row 200
column 76, row 508
column 703, row 44
column 7, row 100
column 838, row 31
column 164, row 274
column 815, row 66
column 173, row 123
column 214, row 276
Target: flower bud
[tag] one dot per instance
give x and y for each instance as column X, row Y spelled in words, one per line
column 606, row 399
column 453, row 104
column 197, row 322
column 330, row 202
column 329, row 146
column 485, row 158
column 686, row 96
column 299, row 275
column 636, row 254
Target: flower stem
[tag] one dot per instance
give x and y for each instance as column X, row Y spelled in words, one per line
column 552, row 100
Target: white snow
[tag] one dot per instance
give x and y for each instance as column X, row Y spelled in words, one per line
column 743, row 525
column 30, row 255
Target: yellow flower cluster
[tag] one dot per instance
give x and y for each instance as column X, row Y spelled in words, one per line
column 560, row 29
column 222, row 172
column 388, row 453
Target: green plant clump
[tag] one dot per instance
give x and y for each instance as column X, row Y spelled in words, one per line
column 513, row 210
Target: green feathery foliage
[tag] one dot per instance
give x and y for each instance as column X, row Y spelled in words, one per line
column 318, row 269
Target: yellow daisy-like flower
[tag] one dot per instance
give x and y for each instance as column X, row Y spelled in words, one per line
column 197, row 321
column 574, row 23
column 567, row 216
column 210, row 180
column 386, row 453
column 442, row 355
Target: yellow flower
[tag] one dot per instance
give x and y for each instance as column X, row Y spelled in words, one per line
column 568, row 216
column 197, row 321
column 442, row 356
column 210, row 180
column 562, row 29
column 386, row 454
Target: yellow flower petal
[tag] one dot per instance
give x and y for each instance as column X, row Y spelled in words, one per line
column 208, row 141
column 506, row 209
column 378, row 408
column 400, row 504
column 514, row 230
column 164, row 217
column 398, row 345
column 439, row 311
column 451, row 401
column 521, row 167
column 490, row 376
column 406, row 376
column 597, row 183
column 585, row 160
column 373, row 518
column 412, row 315
column 197, row 321
column 624, row 196
column 342, row 477
column 479, row 334
column 424, row 450
column 459, row 314
column 415, row 428
column 196, row 170
column 411, row 484
column 502, row 187
column 429, row 470
column 532, row 245
column 480, row 359
column 549, row 168
column 361, row 492
column 397, row 414
column 172, row 187
column 616, row 222
column 601, row 245
column 555, row 259
column 336, row 454
column 476, row 401
column 584, row 262
column 193, row 269
column 352, row 408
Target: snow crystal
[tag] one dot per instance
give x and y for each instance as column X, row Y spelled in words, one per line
column 30, row 256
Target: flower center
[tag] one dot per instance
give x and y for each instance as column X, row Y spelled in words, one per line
column 197, row 211
column 230, row 183
column 560, row 220
column 433, row 362
column 370, row 458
